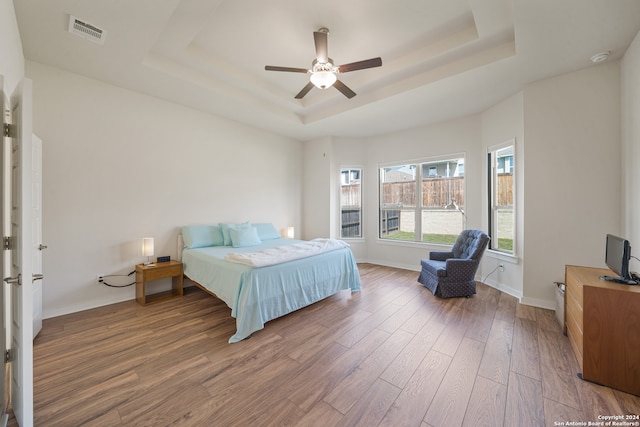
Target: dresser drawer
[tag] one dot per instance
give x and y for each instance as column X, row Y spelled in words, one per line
column 160, row 273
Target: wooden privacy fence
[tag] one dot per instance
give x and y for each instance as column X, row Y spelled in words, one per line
column 351, row 222
column 504, row 191
column 436, row 192
column 439, row 192
column 350, row 195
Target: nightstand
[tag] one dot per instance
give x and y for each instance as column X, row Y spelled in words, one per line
column 161, row 270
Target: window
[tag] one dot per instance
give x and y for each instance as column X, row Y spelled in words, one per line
column 501, row 197
column 350, row 203
column 422, row 202
column 349, row 175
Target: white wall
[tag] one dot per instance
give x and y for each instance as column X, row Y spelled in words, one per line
column 572, row 167
column 317, row 201
column 11, row 57
column 631, row 148
column 119, row 166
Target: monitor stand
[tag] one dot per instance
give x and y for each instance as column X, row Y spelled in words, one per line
column 618, row 280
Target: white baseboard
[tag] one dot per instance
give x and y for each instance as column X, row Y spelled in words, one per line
column 503, row 288
column 540, row 303
column 48, row 314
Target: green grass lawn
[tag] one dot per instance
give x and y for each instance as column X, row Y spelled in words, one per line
column 443, row 239
column 505, row 244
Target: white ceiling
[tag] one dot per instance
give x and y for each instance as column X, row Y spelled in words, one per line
column 441, row 58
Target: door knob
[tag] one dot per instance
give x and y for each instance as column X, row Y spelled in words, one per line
column 14, row 280
column 42, row 247
column 37, row 277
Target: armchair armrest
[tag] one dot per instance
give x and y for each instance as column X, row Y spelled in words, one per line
column 440, row 256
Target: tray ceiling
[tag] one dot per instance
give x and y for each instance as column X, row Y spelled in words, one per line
column 441, row 58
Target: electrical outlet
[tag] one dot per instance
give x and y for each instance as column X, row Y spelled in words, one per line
column 100, row 277
column 501, row 267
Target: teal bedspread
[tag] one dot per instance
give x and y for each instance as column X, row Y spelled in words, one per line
column 257, row 295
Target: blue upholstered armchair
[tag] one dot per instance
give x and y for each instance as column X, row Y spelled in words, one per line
column 452, row 274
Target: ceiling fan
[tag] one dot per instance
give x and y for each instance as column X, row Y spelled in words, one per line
column 323, row 71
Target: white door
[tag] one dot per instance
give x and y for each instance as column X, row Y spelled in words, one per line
column 21, row 274
column 36, row 232
column 4, row 311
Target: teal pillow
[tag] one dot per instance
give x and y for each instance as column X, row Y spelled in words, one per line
column 227, row 227
column 200, row 236
column 244, row 236
column 267, row 231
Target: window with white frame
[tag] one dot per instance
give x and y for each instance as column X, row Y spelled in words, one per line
column 423, row 201
column 350, row 203
column 501, row 179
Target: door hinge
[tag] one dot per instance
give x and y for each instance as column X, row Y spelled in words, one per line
column 9, row 130
column 8, row 355
column 8, row 243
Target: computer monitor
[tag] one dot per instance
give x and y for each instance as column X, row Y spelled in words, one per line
column 617, row 255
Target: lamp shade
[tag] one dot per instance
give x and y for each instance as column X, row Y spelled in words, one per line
column 290, row 232
column 323, row 79
column 147, row 246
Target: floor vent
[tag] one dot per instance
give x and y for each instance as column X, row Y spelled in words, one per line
column 86, row 30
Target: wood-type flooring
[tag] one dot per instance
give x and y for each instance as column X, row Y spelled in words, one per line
column 390, row 355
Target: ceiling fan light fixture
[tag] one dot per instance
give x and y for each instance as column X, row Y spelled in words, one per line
column 323, row 72
column 323, row 79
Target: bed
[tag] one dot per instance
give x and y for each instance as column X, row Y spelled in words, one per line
column 233, row 262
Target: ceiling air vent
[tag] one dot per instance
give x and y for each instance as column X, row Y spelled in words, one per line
column 86, row 30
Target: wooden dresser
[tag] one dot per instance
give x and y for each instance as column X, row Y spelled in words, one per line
column 602, row 321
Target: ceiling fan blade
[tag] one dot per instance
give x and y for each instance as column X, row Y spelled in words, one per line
column 344, row 89
column 289, row 69
column 360, row 65
column 305, row 90
column 320, row 39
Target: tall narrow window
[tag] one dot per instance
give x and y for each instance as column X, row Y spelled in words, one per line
column 501, row 179
column 350, row 203
column 423, row 202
